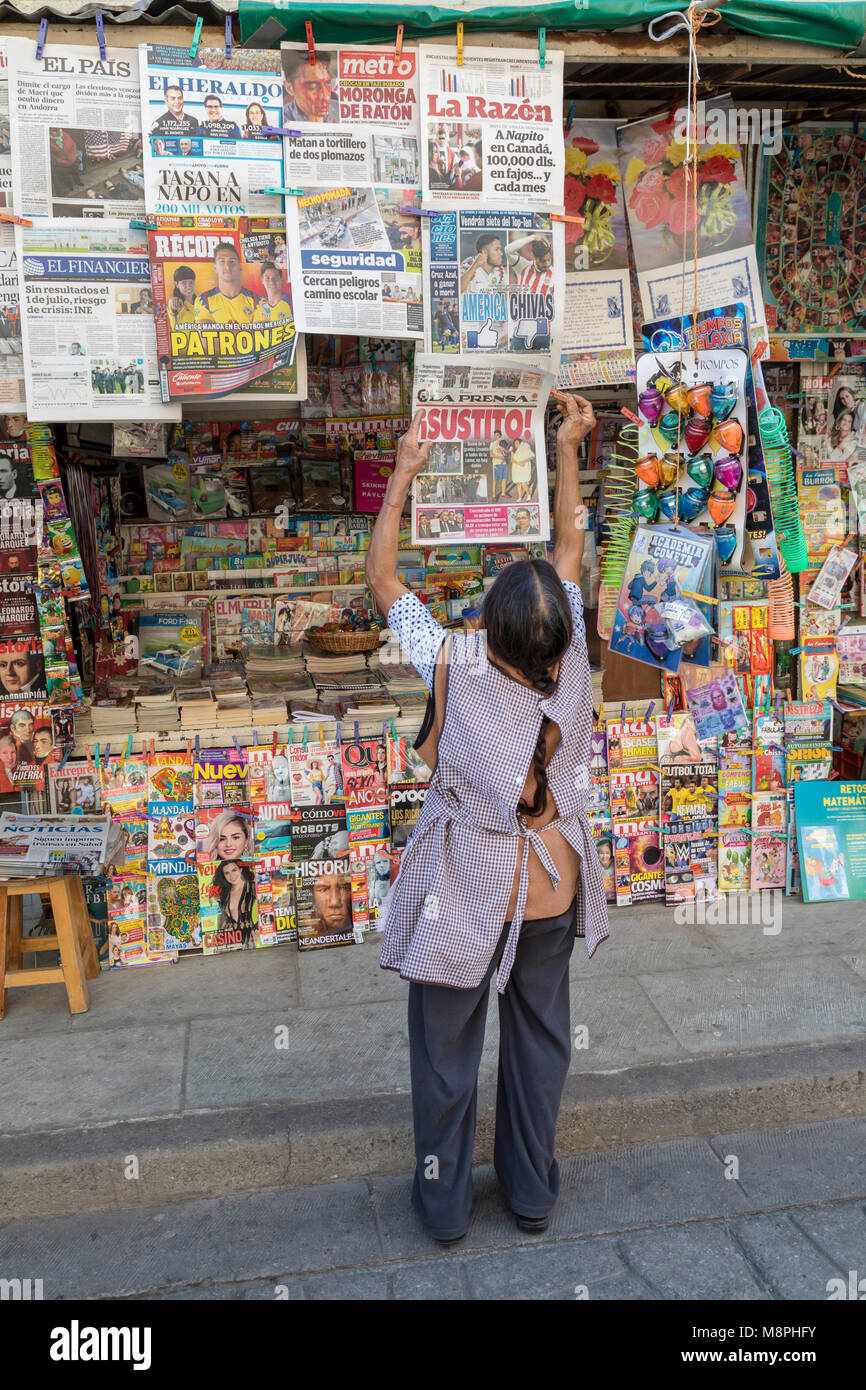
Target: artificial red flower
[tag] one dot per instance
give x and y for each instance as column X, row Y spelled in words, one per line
column 601, row 187
column 575, row 193
column 573, row 232
column 717, row 169
column 675, row 183
column 652, row 208
column 681, row 217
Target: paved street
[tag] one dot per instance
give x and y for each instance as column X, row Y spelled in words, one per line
column 657, row 1221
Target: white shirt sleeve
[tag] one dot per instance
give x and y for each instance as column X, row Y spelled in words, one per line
column 418, row 633
column 575, row 598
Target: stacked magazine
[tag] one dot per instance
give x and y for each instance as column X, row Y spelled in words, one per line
column 31, row 846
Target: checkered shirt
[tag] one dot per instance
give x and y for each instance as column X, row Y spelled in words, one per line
column 444, row 914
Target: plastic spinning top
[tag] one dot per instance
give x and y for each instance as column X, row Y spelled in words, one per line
column 699, row 398
column 692, row 503
column 729, row 434
column 668, row 503
column 669, row 425
column 677, row 398
column 729, row 472
column 697, row 432
column 723, row 398
column 651, row 404
column 648, row 469
column 700, row 469
column 669, row 467
column 656, row 637
column 646, row 504
column 720, row 504
column 726, row 540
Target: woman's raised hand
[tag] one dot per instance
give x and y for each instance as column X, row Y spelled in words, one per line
column 578, row 417
column 412, row 456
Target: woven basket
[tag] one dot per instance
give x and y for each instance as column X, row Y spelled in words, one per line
column 345, row 641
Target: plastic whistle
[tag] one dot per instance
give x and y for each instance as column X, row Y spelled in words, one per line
column 100, row 35
column 280, row 130
column 196, row 35
column 18, row 221
column 40, row 42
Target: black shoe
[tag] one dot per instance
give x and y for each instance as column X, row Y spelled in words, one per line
column 533, row 1224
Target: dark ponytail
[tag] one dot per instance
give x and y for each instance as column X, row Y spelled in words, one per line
column 527, row 618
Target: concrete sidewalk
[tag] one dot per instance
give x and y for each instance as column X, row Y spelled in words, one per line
column 689, row 1031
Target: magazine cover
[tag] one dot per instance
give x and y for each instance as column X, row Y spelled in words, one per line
column 170, row 644
column 74, row 789
column 689, row 809
column 224, row 834
column 663, row 562
column 313, row 773
column 257, row 621
column 830, row 819
column 717, row 708
column 124, row 783
column 275, row 896
column 269, row 777
column 769, row 864
column 405, row 802
column 229, row 910
column 219, row 777
column 735, row 852
column 735, row 779
column 634, row 802
column 323, row 889
column 173, row 913
column 365, row 774
column 170, row 779
column 404, row 763
column 223, row 306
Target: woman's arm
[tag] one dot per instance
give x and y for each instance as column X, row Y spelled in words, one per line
column 381, row 565
column 569, row 513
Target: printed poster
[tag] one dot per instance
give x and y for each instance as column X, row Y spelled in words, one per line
column 486, row 474
column 224, row 314
column 367, row 100
column 659, row 203
column 495, row 283
column 88, row 339
column 491, row 129
column 355, row 261
column 203, row 120
column 811, row 212
column 598, row 341
column 831, row 835
column 75, row 130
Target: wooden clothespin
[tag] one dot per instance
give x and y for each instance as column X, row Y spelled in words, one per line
column 193, row 48
column 321, row 736
column 274, row 744
column 152, row 748
column 100, row 36
column 542, row 46
column 398, row 43
column 40, row 42
column 311, row 47
column 460, row 43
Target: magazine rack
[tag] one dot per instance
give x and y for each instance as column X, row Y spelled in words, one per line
column 73, row 939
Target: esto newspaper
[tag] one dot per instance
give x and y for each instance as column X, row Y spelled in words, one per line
column 223, row 306
column 203, row 121
column 496, row 282
column 491, row 128
column 486, row 474
column 87, row 322
column 75, row 128
column 357, row 111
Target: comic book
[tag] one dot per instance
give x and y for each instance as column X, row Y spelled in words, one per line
column 689, row 809
column 323, row 890
column 807, row 726
column 365, row 774
column 770, row 826
column 632, row 759
column 663, row 562
column 123, row 783
column 819, row 668
column 768, row 764
column 313, row 773
column 830, row 818
column 735, row 780
column 598, row 811
column 219, row 778
column 257, row 623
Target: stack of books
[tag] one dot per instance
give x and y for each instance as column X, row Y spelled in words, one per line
column 233, row 709
column 111, row 716
column 156, row 709
column 197, row 707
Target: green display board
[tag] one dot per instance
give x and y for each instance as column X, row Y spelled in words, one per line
column 344, row 21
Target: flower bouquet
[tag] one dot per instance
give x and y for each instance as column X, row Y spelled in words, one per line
column 590, row 192
column 662, row 194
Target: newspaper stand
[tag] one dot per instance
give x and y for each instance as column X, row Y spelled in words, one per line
column 72, row 938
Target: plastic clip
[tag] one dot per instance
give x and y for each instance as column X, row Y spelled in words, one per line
column 14, row 218
column 311, row 46
column 398, row 43
column 40, row 42
column 100, row 36
column 460, row 43
column 228, row 36
column 569, row 122
column 542, row 44
column 196, row 35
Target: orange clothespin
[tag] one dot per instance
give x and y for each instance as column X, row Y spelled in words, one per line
column 629, row 414
column 18, row 221
column 274, row 745
column 311, row 47
column 152, row 749
column 398, row 44
column 760, row 349
column 567, row 217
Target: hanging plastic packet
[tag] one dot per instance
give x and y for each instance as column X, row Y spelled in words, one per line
column 684, row 622
column 827, row 588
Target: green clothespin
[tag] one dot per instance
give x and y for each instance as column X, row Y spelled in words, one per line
column 128, row 753
column 193, row 48
column 305, row 737
column 96, row 756
column 542, row 44
column 393, row 730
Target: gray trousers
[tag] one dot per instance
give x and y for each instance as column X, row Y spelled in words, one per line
column 446, row 1037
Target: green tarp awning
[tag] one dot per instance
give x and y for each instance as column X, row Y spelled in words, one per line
column 346, row 21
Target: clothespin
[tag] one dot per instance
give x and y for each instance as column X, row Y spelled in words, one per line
column 40, row 42
column 281, row 192
column 398, row 43
column 385, row 731
column 107, row 751
column 460, row 43
column 142, row 224
column 279, row 130
column 128, row 754
column 759, row 350
column 305, row 738
column 542, row 44
column 393, row 730
column 629, row 415
column 567, row 217
column 671, row 704
column 649, row 713
column 274, row 744
column 321, row 736
column 311, row 47
column 14, row 218
column 339, row 733
column 570, row 118
column 228, row 36
column 622, row 713
column 189, row 748
column 65, row 757
column 236, row 744
column 96, row 746
column 357, row 735
column 152, row 749
column 422, row 212
column 193, row 48
column 100, row 35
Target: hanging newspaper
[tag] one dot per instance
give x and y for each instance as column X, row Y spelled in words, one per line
column 496, row 282
column 491, row 129
column 223, row 305
column 5, row 152
column 659, row 198
column 75, row 126
column 355, row 262
column 597, row 345
column 12, row 395
column 203, row 122
column 87, row 322
column 486, row 474
column 368, row 101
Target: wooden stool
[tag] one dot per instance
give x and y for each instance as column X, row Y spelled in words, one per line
column 74, row 939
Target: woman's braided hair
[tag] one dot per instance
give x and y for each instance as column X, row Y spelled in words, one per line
column 527, row 617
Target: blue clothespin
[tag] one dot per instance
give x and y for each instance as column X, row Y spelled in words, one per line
column 196, row 747
column 280, row 130
column 622, row 713
column 339, row 733
column 570, row 119
column 142, row 224
column 193, row 48
column 100, row 36
column 107, row 751
column 671, row 704
column 649, row 713
column 236, row 744
column 65, row 757
column 357, row 735
column 542, row 42
column 228, row 36
column 281, row 192
column 40, row 42
column 418, row 212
